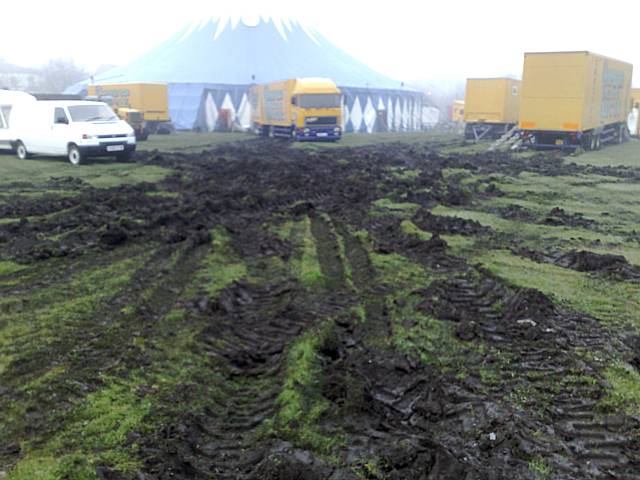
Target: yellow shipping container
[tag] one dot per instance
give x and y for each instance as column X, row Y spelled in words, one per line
column 299, row 108
column 635, row 97
column 574, row 92
column 492, row 100
column 457, row 111
column 151, row 99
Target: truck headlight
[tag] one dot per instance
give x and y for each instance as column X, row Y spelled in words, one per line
column 337, row 129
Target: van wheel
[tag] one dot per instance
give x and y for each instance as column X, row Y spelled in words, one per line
column 21, row 151
column 75, row 157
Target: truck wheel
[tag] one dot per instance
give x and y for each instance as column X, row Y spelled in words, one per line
column 598, row 142
column 21, row 151
column 592, row 142
column 272, row 134
column 75, row 156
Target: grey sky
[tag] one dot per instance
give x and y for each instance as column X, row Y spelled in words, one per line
column 408, row 40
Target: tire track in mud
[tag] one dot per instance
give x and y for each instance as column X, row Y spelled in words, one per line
column 251, row 327
column 585, row 443
column 90, row 353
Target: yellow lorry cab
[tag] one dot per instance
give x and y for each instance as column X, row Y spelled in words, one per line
column 299, row 108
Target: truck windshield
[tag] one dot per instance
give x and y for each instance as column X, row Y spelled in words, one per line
column 320, row 100
column 91, row 113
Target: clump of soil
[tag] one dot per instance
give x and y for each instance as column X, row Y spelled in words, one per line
column 445, row 225
column 559, row 217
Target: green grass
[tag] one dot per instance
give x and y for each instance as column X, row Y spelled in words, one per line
column 624, row 391
column 305, row 264
column 402, row 209
column 411, row 229
column 222, row 266
column 627, row 154
column 301, row 404
column 530, row 231
column 541, row 468
column 100, row 173
column 97, row 436
column 190, row 141
column 8, row 267
column 614, row 302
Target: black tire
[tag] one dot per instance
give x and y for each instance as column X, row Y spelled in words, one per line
column 271, row 133
column 21, row 151
column 598, row 142
column 593, row 143
column 74, row 155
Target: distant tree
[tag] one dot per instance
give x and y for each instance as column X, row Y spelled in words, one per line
column 60, row 73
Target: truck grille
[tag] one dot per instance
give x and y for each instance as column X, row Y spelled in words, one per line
column 116, row 135
column 321, row 120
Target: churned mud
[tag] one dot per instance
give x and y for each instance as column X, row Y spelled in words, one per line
column 272, row 313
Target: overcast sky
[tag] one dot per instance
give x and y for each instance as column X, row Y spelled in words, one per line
column 407, row 40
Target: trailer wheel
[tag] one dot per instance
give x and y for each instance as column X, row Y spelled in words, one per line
column 271, row 133
column 74, row 155
column 21, row 151
column 621, row 135
column 598, row 142
column 592, row 142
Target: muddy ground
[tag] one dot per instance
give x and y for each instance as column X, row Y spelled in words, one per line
column 272, row 313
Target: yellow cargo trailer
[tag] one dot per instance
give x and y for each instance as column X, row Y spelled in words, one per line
column 457, row 111
column 491, row 107
column 574, row 99
column 151, row 99
column 634, row 117
column 299, row 108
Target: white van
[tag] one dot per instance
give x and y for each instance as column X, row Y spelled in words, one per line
column 73, row 128
column 9, row 98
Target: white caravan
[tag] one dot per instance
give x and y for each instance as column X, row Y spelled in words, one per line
column 73, row 128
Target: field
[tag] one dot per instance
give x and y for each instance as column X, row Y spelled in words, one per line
column 392, row 307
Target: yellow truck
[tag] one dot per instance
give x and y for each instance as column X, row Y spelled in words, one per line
column 457, row 111
column 574, row 99
column 150, row 99
column 491, row 107
column 300, row 109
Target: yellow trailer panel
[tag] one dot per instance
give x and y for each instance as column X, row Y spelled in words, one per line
column 635, row 97
column 574, row 91
column 492, row 100
column 457, row 111
column 152, row 99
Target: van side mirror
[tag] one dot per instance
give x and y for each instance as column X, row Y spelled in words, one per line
column 63, row 120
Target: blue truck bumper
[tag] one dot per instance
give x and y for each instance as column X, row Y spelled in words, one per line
column 318, row 134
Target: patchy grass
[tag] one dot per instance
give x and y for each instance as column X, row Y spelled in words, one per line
column 541, row 469
column 411, row 229
column 300, row 402
column 531, row 232
column 403, row 209
column 611, row 301
column 627, row 154
column 8, row 267
column 624, row 394
column 100, row 173
column 222, row 266
column 191, row 141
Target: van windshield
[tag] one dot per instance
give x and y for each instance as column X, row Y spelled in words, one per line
column 320, row 100
column 91, row 113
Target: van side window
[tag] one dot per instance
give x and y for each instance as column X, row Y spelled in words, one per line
column 5, row 113
column 59, row 116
